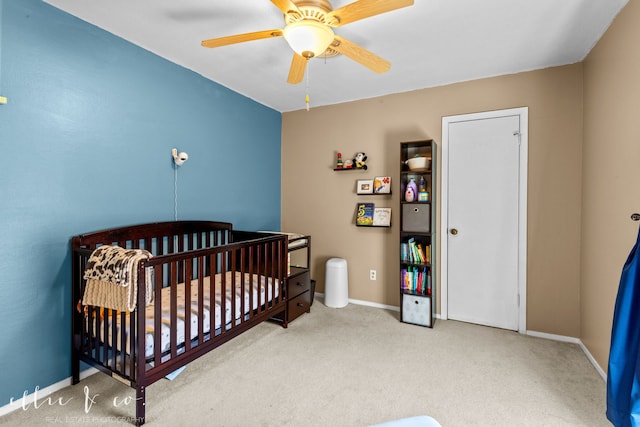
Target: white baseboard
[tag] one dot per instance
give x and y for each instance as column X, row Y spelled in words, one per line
column 367, row 303
column 41, row 394
column 574, row 341
column 554, row 337
column 374, row 304
column 593, row 361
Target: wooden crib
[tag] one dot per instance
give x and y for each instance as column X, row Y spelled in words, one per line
column 209, row 284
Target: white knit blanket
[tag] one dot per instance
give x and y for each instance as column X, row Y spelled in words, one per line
column 112, row 278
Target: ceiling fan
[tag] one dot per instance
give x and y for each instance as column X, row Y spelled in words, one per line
column 308, row 30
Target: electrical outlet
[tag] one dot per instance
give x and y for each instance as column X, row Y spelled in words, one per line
column 372, row 275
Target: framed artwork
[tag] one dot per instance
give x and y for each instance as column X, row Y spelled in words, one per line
column 382, row 217
column 382, row 185
column 365, row 186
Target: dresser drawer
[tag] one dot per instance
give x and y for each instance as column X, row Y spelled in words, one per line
column 299, row 305
column 297, row 284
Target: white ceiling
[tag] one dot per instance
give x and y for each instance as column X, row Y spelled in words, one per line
column 432, row 43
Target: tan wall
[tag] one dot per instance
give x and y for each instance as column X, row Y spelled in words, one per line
column 319, row 201
column 611, row 165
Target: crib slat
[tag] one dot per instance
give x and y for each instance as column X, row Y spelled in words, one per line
column 212, row 311
column 260, row 266
column 104, row 339
column 246, row 292
column 91, row 332
column 275, row 270
column 223, row 297
column 187, row 306
column 123, row 341
column 178, row 246
column 236, row 288
column 157, row 314
column 132, row 346
column 249, row 265
column 114, row 338
column 213, row 269
column 173, row 318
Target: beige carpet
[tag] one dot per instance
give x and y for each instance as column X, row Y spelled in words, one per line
column 355, row 366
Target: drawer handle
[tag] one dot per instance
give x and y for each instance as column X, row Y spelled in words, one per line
column 299, row 284
column 300, row 304
column 416, row 302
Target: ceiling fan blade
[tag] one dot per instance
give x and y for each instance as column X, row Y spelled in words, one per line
column 298, row 67
column 364, row 9
column 286, row 6
column 360, row 55
column 240, row 38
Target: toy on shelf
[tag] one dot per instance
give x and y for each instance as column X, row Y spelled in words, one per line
column 359, row 161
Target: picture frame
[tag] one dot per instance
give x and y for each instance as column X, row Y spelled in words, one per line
column 382, row 217
column 364, row 186
column 382, row 185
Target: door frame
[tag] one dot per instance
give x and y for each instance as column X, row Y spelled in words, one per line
column 523, row 113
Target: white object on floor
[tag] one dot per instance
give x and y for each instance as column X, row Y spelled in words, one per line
column 420, row 421
column 336, row 285
column 175, row 373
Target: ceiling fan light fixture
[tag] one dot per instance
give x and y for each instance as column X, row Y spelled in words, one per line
column 308, row 38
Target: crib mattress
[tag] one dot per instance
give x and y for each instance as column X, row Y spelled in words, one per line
column 254, row 285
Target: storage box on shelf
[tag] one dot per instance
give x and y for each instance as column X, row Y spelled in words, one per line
column 417, row 238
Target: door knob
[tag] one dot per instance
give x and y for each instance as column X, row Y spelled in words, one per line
column 454, row 231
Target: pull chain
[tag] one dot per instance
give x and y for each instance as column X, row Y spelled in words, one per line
column 306, row 98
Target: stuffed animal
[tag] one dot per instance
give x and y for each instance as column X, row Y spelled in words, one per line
column 359, row 161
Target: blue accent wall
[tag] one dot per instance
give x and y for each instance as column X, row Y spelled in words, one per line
column 85, row 144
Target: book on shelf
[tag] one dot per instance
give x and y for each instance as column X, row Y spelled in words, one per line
column 404, row 252
column 382, row 217
column 416, row 280
column 421, row 253
column 382, row 185
column 414, row 252
column 364, row 213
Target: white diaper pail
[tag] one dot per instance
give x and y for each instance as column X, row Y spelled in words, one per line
column 336, row 286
